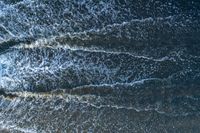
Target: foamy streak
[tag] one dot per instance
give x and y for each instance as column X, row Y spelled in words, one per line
column 51, row 43
column 139, row 82
column 91, row 100
column 84, row 35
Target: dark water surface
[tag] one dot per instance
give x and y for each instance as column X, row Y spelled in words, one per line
column 100, row 66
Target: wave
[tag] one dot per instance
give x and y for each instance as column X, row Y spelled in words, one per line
column 139, row 37
column 39, row 110
column 48, row 64
column 26, row 20
column 49, row 67
column 141, row 98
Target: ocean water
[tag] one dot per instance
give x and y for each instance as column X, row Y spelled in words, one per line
column 130, row 66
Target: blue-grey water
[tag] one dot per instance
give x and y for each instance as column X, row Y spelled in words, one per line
column 100, row 66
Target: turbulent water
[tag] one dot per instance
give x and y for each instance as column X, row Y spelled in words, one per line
column 99, row 66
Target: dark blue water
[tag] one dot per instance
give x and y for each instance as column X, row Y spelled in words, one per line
column 99, row 66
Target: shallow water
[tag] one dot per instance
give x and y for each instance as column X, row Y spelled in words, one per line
column 99, row 66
